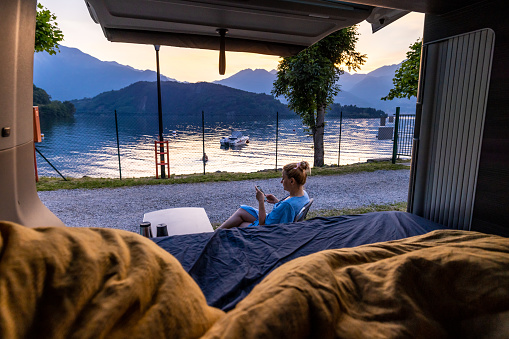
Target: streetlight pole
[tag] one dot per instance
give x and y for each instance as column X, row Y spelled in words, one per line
column 160, row 112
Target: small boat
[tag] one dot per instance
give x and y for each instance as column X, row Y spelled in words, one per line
column 235, row 139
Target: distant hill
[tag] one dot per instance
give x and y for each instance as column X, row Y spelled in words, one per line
column 185, row 99
column 352, row 111
column 256, row 81
column 371, row 87
column 72, row 74
column 260, row 80
column 363, row 90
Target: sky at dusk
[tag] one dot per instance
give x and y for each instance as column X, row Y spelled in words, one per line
column 385, row 47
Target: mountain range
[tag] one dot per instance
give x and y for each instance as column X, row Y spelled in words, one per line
column 362, row 90
column 72, row 74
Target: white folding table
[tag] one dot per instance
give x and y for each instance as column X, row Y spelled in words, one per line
column 182, row 220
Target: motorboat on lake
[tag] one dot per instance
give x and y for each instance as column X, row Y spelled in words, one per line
column 235, row 139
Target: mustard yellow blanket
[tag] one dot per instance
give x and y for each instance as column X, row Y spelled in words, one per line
column 95, row 283
column 444, row 284
column 102, row 283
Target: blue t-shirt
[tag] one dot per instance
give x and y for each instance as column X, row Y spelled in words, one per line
column 283, row 211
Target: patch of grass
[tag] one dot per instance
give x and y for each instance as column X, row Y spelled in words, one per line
column 361, row 167
column 51, row 183
column 397, row 206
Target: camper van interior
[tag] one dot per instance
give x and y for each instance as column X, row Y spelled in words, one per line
column 439, row 270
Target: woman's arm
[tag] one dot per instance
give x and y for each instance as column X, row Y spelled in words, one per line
column 271, row 199
column 261, row 206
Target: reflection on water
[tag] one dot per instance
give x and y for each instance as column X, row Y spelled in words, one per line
column 88, row 145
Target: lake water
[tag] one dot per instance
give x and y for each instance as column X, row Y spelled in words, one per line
column 87, row 145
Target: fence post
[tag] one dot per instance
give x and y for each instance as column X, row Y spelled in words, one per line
column 340, row 127
column 204, row 156
column 160, row 115
column 277, row 131
column 395, row 143
column 118, row 146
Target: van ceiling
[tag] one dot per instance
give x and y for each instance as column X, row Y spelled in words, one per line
column 274, row 27
column 263, row 26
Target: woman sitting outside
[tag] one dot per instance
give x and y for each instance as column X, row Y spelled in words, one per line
column 284, row 211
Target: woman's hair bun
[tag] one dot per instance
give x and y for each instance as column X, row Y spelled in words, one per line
column 303, row 165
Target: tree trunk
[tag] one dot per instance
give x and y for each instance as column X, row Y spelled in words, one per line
column 318, row 136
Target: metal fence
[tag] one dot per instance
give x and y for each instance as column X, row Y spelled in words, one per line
column 111, row 147
column 405, row 135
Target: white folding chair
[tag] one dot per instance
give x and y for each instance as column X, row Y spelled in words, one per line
column 304, row 211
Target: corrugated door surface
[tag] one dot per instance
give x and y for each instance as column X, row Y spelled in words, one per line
column 457, row 116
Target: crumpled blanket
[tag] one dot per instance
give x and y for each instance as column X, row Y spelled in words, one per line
column 102, row 283
column 95, row 283
column 444, row 284
column 228, row 264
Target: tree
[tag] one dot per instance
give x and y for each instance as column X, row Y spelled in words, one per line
column 47, row 33
column 47, row 37
column 52, row 108
column 406, row 78
column 308, row 80
column 40, row 97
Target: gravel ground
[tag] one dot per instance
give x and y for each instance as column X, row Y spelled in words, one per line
column 123, row 208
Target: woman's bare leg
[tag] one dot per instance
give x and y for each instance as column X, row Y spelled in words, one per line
column 241, row 217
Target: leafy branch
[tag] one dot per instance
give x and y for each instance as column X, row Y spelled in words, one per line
column 47, row 33
column 406, row 79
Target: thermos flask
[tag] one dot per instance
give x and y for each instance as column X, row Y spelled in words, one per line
column 162, row 230
column 146, row 229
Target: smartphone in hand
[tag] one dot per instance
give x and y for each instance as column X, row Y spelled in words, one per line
column 260, row 189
